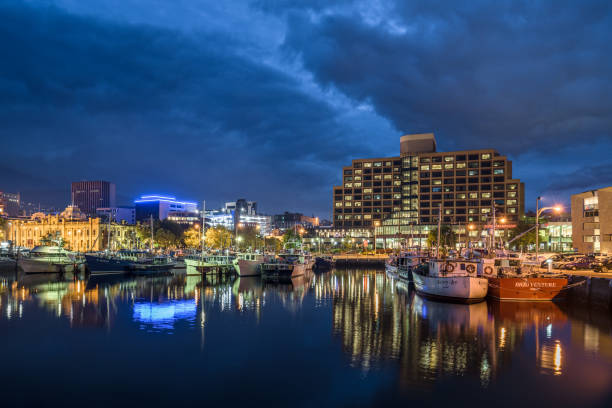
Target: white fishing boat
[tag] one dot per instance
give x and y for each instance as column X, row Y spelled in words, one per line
column 248, row 264
column 454, row 280
column 48, row 259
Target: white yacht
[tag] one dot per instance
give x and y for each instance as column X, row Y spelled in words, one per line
column 451, row 279
column 44, row 258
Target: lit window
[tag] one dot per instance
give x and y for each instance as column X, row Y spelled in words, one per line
column 367, row 164
column 511, row 186
column 367, row 190
column 512, row 210
column 498, row 171
column 357, row 185
column 436, row 167
column 511, row 202
column 449, row 158
column 348, row 185
column 348, row 198
column 511, row 194
column 425, row 167
column 485, row 210
column 461, row 165
column 448, row 166
column 473, row 195
column 485, row 156
column 591, row 203
column 436, row 182
column 357, row 203
column 347, row 204
column 378, row 164
column 339, row 204
column 486, row 195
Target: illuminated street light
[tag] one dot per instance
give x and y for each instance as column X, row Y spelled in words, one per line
column 556, row 208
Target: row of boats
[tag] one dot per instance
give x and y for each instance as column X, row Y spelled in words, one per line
column 56, row 259
column 471, row 279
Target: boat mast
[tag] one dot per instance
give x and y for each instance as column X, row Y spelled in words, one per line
column 493, row 236
column 203, row 228
column 439, row 227
column 151, row 246
column 110, row 211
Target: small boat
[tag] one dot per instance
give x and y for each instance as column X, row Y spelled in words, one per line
column 152, row 265
column 48, row 259
column 248, row 264
column 452, row 280
column 324, row 263
column 285, row 266
column 391, row 266
column 109, row 262
column 7, row 264
column 407, row 262
column 510, row 280
column 208, row 261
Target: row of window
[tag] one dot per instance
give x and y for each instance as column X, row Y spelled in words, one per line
column 456, row 158
column 461, row 173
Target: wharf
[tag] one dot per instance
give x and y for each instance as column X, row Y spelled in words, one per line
column 360, row 260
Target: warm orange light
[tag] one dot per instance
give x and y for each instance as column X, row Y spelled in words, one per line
column 471, row 227
column 503, row 220
column 558, row 208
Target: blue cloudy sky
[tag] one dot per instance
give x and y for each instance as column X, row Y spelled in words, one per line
column 267, row 100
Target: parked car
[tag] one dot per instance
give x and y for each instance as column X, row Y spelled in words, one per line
column 581, row 263
column 603, row 266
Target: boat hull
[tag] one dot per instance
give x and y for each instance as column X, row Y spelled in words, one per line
column 104, row 265
column 527, row 289
column 391, row 270
column 405, row 274
column 463, row 289
column 247, row 268
column 39, row 266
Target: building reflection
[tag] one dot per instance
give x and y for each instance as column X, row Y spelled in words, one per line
column 156, row 303
column 378, row 319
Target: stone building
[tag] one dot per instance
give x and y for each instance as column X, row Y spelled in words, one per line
column 79, row 233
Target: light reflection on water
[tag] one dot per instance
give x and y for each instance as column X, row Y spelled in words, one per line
column 379, row 324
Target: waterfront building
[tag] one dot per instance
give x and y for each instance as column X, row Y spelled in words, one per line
column 9, row 204
column 592, row 221
column 262, row 222
column 220, row 218
column 400, row 197
column 291, row 220
column 120, row 215
column 90, row 195
column 557, row 236
column 79, row 232
column 185, row 218
column 161, row 207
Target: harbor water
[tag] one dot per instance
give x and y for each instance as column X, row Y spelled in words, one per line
column 348, row 337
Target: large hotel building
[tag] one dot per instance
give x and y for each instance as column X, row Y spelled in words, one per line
column 400, row 197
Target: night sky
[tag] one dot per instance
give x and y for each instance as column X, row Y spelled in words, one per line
column 267, row 100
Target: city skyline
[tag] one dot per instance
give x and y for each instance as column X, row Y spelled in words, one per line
column 176, row 100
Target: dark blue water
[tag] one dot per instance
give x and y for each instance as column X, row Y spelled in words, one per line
column 344, row 338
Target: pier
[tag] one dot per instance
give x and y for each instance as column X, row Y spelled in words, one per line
column 360, row 260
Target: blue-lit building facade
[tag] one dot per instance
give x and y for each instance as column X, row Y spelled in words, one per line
column 161, row 207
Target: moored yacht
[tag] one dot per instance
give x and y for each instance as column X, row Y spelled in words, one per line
column 284, row 266
column 48, row 259
column 451, row 279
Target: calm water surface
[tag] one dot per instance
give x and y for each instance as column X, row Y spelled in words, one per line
column 344, row 338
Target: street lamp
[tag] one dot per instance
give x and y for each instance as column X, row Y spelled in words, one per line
column 376, row 224
column 556, row 208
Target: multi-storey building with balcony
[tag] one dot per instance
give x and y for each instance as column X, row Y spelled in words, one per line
column 402, row 196
column 592, row 221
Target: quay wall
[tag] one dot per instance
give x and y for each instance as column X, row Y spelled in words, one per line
column 595, row 291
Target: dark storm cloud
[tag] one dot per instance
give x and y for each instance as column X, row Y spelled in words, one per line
column 512, row 75
column 152, row 108
column 583, row 179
